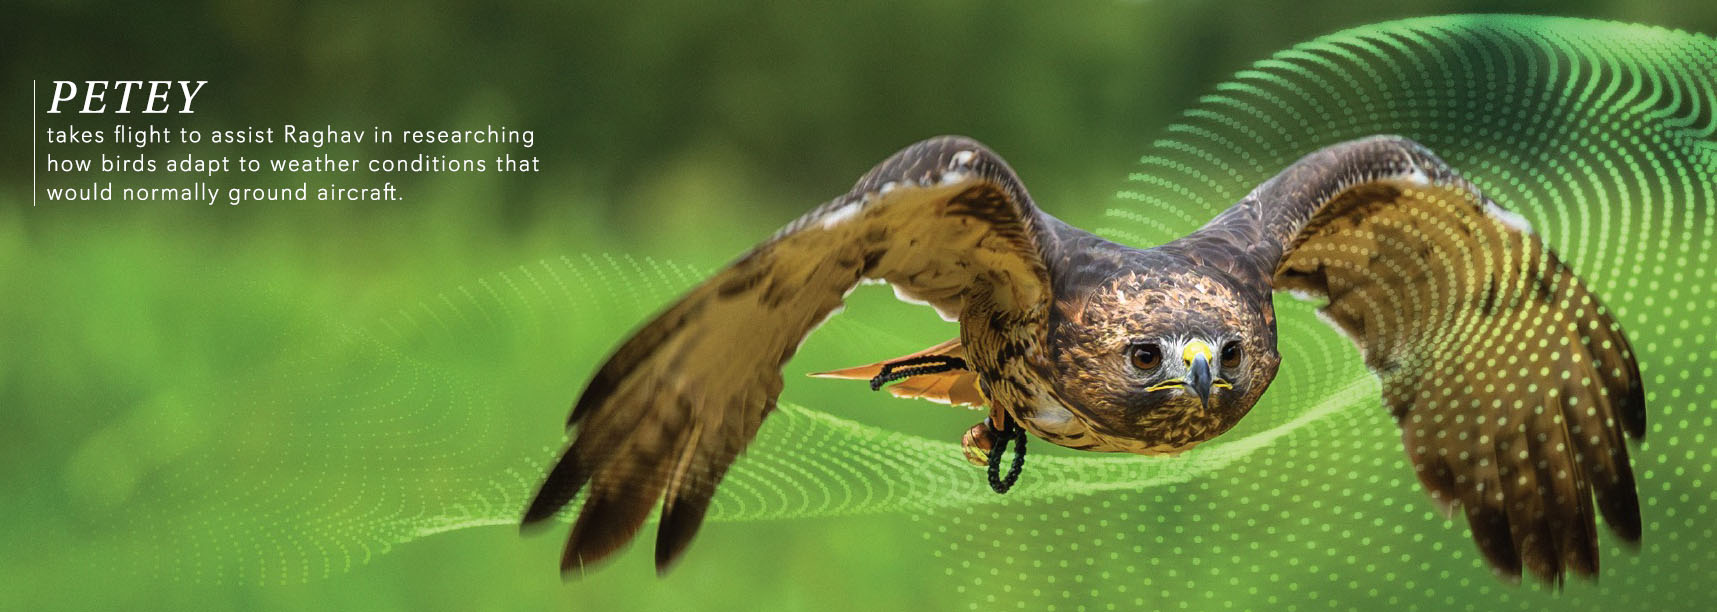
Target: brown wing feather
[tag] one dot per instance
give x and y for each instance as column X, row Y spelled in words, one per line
column 1514, row 387
column 673, row 407
column 954, row 387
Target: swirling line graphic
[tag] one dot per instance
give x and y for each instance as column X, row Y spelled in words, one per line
column 1598, row 134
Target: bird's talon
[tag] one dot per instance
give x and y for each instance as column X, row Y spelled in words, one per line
column 977, row 443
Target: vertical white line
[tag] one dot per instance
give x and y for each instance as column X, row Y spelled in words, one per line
column 35, row 158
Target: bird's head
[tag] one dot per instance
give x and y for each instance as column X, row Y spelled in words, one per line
column 1158, row 362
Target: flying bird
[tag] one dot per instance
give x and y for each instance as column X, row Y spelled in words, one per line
column 1514, row 388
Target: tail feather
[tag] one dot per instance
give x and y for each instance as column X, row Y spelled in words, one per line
column 954, row 387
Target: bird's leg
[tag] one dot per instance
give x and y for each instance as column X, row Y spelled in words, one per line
column 907, row 368
column 977, row 443
column 985, row 443
column 983, row 437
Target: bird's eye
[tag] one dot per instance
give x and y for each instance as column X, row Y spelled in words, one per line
column 1147, row 356
column 1231, row 354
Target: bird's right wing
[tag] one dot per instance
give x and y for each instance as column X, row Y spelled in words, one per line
column 945, row 221
column 1514, row 387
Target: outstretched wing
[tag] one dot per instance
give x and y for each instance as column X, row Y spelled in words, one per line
column 1513, row 386
column 945, row 221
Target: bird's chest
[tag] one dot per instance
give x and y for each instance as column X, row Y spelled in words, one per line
column 1015, row 373
column 1008, row 357
column 1014, row 377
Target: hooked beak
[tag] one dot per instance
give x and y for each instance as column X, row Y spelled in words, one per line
column 1198, row 378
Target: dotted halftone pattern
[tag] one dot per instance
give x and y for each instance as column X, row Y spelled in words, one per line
column 1598, row 134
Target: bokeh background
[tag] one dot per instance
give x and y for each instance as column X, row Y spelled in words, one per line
column 345, row 405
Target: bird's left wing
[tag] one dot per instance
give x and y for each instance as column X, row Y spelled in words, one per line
column 1514, row 387
column 945, row 221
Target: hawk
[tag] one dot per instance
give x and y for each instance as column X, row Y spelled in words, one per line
column 1514, row 388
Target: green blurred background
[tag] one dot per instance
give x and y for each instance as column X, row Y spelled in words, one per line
column 297, row 405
